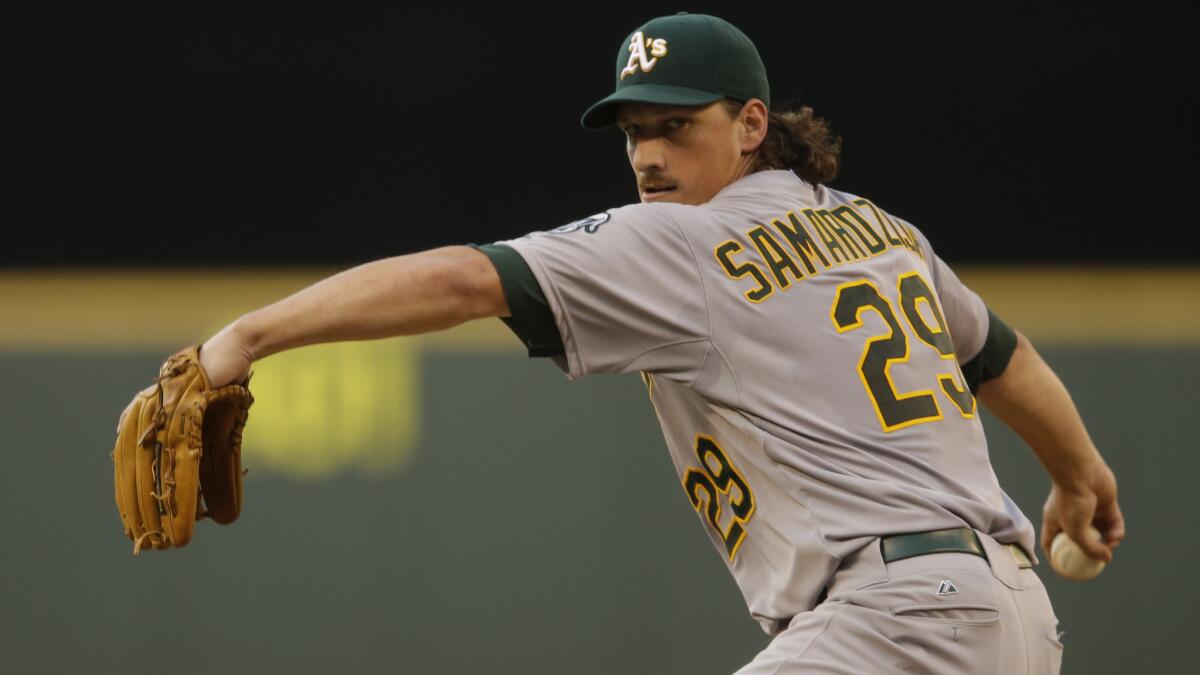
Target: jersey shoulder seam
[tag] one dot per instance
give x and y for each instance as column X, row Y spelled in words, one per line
column 699, row 272
column 703, row 362
column 665, row 345
column 703, row 293
column 707, row 311
column 737, row 388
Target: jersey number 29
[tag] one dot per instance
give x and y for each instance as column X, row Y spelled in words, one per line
column 896, row 410
column 718, row 476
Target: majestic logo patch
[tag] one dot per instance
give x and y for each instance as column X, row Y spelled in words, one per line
column 947, row 587
column 638, row 55
column 589, row 224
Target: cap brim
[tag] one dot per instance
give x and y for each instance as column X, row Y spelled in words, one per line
column 604, row 112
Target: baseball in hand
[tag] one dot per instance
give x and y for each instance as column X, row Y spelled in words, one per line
column 1069, row 560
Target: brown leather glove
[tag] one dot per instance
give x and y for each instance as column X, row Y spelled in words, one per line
column 178, row 455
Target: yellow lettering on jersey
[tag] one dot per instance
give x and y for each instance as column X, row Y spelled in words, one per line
column 836, row 226
column 801, row 241
column 775, row 256
column 898, row 234
column 914, row 244
column 847, row 215
column 893, row 409
column 715, row 482
column 908, row 238
column 916, row 294
column 833, row 237
column 884, row 224
column 831, row 243
column 959, row 395
column 724, row 253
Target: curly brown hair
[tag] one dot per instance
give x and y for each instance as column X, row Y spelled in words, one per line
column 798, row 140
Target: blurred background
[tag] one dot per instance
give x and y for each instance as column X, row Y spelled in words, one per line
column 442, row 504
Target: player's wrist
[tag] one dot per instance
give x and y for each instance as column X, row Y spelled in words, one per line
column 246, row 336
column 1076, row 467
column 1088, row 478
column 226, row 357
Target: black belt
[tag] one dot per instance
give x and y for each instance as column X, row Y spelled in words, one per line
column 955, row 540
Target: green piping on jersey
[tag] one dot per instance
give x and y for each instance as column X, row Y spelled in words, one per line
column 532, row 320
column 991, row 361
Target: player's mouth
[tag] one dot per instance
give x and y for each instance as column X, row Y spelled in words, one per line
column 655, row 192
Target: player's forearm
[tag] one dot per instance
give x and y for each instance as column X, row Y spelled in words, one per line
column 1033, row 401
column 404, row 295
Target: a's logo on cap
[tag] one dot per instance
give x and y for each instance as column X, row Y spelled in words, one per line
column 638, row 56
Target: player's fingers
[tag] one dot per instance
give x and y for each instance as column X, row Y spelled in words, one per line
column 1052, row 518
column 1089, row 539
column 1112, row 525
column 1095, row 548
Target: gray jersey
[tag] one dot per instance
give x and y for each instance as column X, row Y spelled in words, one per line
column 802, row 351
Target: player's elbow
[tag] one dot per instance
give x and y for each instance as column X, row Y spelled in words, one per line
column 469, row 284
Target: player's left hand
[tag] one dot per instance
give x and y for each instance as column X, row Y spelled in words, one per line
column 225, row 358
column 1093, row 501
column 178, row 454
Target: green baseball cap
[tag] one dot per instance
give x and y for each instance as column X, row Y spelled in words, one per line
column 683, row 59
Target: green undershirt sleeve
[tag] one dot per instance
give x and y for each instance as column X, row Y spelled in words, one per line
column 991, row 361
column 531, row 320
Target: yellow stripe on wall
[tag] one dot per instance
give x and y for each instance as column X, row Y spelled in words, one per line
column 164, row 310
column 1095, row 304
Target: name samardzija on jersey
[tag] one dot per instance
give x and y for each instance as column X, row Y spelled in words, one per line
column 830, row 237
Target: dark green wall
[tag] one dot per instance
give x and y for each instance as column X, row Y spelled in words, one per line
column 538, row 529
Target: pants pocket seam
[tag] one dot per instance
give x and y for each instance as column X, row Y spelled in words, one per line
column 909, row 612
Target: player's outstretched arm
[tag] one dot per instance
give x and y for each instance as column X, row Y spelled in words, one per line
column 1031, row 399
column 405, row 295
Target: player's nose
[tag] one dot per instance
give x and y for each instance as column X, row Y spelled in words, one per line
column 648, row 155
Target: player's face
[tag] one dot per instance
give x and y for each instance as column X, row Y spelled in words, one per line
column 681, row 154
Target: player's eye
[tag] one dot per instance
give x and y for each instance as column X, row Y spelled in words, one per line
column 631, row 131
column 675, row 123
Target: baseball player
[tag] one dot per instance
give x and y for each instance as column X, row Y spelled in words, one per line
column 814, row 364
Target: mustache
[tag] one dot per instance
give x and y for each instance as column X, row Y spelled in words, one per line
column 655, row 182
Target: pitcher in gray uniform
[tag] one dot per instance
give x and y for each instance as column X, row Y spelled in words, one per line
column 813, row 363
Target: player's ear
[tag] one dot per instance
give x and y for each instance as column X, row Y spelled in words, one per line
column 753, row 123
